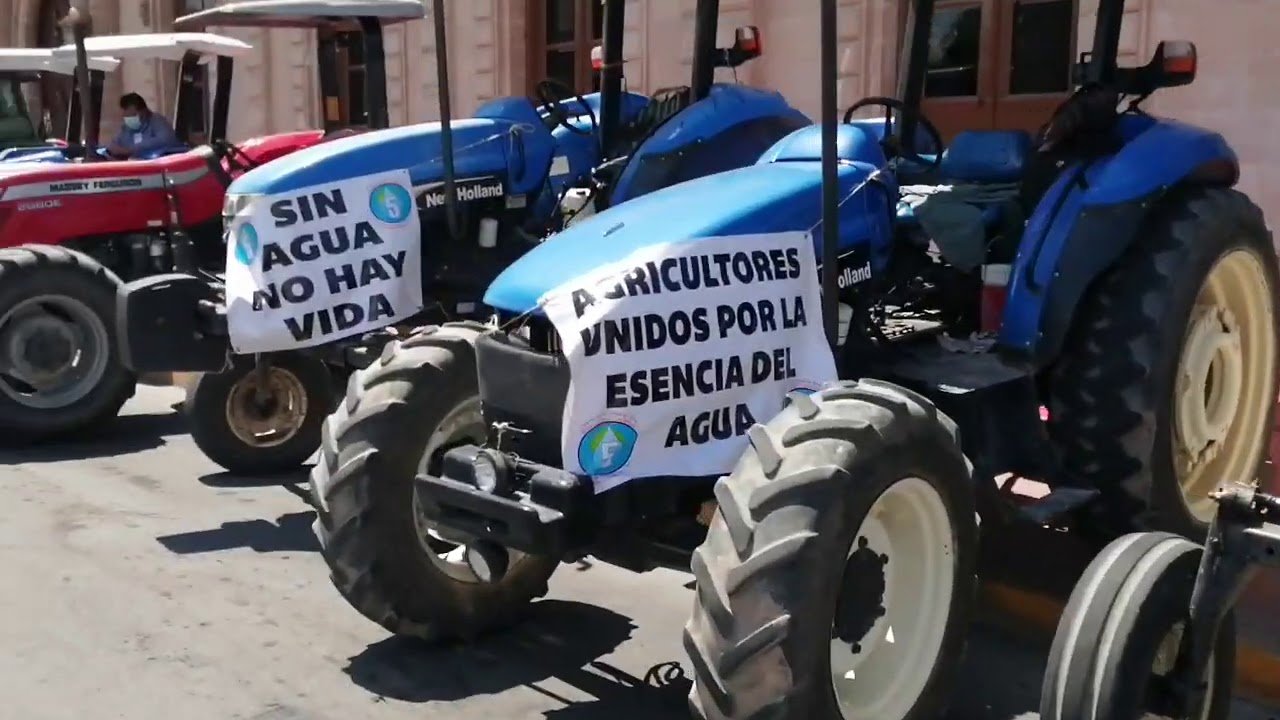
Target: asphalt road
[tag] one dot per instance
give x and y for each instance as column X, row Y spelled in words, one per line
column 140, row 582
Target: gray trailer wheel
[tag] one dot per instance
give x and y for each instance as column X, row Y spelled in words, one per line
column 1117, row 640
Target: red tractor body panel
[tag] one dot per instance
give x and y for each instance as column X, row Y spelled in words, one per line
column 51, row 203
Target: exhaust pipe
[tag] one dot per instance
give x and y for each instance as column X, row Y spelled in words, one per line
column 79, row 22
column 446, row 113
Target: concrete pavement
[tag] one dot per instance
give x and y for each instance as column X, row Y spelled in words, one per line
column 142, row 583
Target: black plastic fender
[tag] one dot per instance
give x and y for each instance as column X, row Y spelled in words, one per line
column 171, row 323
column 1100, row 236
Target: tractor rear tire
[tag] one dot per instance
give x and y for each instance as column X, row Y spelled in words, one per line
column 1114, row 400
column 419, row 398
column 222, row 417
column 1118, row 634
column 46, row 281
column 788, row 536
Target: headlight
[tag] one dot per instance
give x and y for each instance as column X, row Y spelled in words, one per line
column 491, row 472
column 234, row 204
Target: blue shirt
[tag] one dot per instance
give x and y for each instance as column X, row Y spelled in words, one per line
column 155, row 133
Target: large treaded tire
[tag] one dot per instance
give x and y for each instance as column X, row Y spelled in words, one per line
column 1124, row 606
column 32, row 270
column 770, row 569
column 371, row 450
column 206, row 411
column 1111, row 392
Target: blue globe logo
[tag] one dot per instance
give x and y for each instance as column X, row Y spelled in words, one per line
column 391, row 203
column 247, row 244
column 606, row 448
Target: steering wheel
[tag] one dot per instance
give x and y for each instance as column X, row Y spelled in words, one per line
column 549, row 93
column 904, row 148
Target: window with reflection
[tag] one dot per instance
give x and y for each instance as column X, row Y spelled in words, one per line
column 955, row 52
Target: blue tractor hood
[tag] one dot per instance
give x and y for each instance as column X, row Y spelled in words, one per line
column 480, row 149
column 763, row 198
column 507, row 138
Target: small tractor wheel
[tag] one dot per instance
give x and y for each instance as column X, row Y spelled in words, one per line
column 258, row 422
column 1168, row 382
column 837, row 578
column 60, row 367
column 400, row 415
column 1117, row 641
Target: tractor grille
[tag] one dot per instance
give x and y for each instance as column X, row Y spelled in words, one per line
column 526, row 388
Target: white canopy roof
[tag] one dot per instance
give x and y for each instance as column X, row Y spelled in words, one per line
column 43, row 60
column 159, row 46
column 301, row 13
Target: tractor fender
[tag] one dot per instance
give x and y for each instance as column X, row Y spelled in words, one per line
column 730, row 128
column 1090, row 216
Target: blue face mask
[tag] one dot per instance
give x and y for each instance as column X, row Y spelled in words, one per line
column 133, row 122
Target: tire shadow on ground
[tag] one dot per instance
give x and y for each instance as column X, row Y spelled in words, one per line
column 560, row 640
column 228, row 480
column 290, row 532
column 121, row 436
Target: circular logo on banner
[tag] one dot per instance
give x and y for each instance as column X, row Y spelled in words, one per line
column 247, row 244
column 606, row 448
column 390, row 203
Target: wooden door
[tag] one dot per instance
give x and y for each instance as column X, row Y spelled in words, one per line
column 340, row 57
column 998, row 64
column 561, row 35
column 1033, row 72
column 959, row 76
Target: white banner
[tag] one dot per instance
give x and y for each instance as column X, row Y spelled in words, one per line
column 675, row 351
column 323, row 263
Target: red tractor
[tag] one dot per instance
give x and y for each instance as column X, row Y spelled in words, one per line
column 75, row 227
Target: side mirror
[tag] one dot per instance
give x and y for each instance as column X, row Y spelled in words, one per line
column 746, row 42
column 747, row 45
column 1174, row 63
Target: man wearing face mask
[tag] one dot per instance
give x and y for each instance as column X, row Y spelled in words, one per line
column 143, row 130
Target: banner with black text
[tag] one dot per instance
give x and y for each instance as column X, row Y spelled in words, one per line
column 322, row 263
column 675, row 351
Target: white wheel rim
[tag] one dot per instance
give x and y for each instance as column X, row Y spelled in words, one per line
column 278, row 422
column 895, row 659
column 1224, row 385
column 446, row 552
column 1165, row 660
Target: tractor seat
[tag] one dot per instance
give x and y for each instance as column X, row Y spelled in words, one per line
column 980, row 163
column 986, row 156
column 971, row 196
column 663, row 105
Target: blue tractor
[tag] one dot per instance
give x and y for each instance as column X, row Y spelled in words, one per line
column 1093, row 307
column 488, row 189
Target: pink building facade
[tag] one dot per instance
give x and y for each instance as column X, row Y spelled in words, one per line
column 495, row 48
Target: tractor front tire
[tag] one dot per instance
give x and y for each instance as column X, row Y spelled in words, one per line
column 60, row 366
column 399, row 416
column 837, row 578
column 1167, row 384
column 247, row 436
column 1117, row 639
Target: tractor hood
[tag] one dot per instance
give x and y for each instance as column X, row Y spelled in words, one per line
column 763, row 198
column 9, row 169
column 479, row 148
